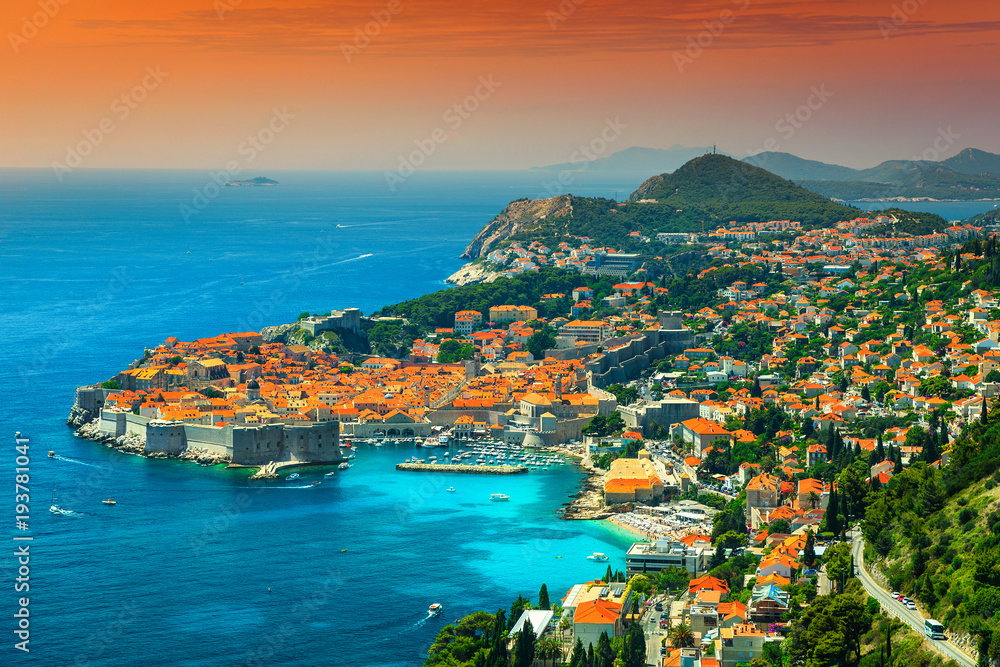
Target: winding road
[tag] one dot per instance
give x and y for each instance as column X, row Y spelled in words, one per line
column 896, row 608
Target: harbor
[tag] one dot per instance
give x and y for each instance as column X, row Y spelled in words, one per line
column 469, row 469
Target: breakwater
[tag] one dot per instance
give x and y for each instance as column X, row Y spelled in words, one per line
column 474, row 470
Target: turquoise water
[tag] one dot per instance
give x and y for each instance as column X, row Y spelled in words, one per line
column 178, row 572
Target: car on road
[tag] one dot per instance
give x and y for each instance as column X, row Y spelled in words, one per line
column 910, row 604
column 895, row 594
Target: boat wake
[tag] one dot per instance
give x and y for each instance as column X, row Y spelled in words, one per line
column 82, row 463
column 65, row 512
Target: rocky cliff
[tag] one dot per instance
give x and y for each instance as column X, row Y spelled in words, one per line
column 472, row 273
column 518, row 215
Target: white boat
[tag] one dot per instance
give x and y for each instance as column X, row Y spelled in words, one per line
column 329, row 474
column 434, row 609
column 598, row 556
column 344, row 466
column 499, row 497
column 450, row 489
column 108, row 501
column 294, row 475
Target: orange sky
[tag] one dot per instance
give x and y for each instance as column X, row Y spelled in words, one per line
column 563, row 68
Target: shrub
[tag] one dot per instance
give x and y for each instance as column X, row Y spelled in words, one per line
column 966, row 515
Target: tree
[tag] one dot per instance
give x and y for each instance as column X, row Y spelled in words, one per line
column 779, row 526
column 839, row 564
column 520, row 604
column 634, row 651
column 543, row 598
column 579, row 656
column 813, row 499
column 673, row 578
column 543, row 339
column 681, row 636
column 524, row 647
column 809, row 551
column 755, row 390
column 604, row 656
column 640, row 583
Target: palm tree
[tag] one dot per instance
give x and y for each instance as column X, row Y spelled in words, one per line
column 813, row 499
column 681, row 636
column 548, row 648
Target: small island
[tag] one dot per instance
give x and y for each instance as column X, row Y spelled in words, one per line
column 260, row 181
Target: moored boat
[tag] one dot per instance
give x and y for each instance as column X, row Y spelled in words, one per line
column 499, row 497
column 598, row 556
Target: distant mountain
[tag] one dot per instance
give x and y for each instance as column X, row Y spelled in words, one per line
column 974, row 161
column 795, row 168
column 972, row 174
column 648, row 160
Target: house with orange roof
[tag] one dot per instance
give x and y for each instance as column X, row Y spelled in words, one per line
column 593, row 617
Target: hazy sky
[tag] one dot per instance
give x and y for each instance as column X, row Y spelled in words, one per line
column 533, row 81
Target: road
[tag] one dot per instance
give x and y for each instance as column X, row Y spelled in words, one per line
column 651, row 627
column 896, row 608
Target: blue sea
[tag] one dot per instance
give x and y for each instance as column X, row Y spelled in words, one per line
column 195, row 565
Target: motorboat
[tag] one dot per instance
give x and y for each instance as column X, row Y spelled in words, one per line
column 450, row 489
column 434, row 609
column 499, row 497
column 108, row 501
column 330, row 474
column 344, row 466
column 52, row 454
column 598, row 556
column 293, row 476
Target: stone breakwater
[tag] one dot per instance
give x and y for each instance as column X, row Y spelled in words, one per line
column 475, row 470
column 133, row 443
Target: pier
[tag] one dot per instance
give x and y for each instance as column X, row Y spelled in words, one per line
column 450, row 467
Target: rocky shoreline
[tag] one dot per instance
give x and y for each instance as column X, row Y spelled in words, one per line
column 588, row 502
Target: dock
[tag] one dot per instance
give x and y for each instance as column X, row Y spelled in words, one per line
column 450, row 467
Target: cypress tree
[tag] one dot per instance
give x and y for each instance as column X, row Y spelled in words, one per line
column 498, row 656
column 543, row 598
column 579, row 656
column 832, row 510
column 604, row 656
column 983, row 412
column 609, row 575
column 590, row 656
column 879, row 450
column 524, row 649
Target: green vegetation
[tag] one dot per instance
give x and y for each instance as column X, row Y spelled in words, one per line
column 111, row 384
column 438, row 309
column 451, row 351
